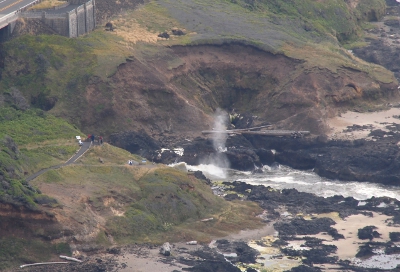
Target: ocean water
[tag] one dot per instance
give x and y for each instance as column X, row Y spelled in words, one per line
column 283, row 177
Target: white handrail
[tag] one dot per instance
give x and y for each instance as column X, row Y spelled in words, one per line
column 33, row 264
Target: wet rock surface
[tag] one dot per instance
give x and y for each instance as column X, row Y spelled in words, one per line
column 384, row 49
column 210, row 260
column 368, row 232
column 359, row 160
column 291, row 226
column 374, row 159
column 89, row 265
column 242, row 252
column 283, row 207
column 300, row 226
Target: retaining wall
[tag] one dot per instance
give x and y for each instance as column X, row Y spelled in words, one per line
column 81, row 20
column 90, row 16
column 58, row 23
column 73, row 23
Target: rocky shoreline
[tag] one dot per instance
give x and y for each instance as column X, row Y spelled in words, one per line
column 372, row 158
column 302, row 232
column 308, row 232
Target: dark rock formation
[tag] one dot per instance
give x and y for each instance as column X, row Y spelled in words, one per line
column 16, row 99
column 135, row 142
column 368, row 232
column 354, row 160
column 109, row 26
column 315, row 253
column 305, row 268
column 300, row 226
column 199, row 175
column 245, row 254
column 164, row 35
column 359, row 160
column 365, row 251
column 394, row 236
column 177, row 32
column 212, row 261
column 242, row 159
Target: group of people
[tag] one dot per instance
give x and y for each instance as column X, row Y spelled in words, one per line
column 93, row 138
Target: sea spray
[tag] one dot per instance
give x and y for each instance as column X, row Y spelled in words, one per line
column 217, row 163
column 219, row 158
column 220, row 123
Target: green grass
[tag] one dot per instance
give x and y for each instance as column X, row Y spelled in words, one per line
column 51, row 67
column 154, row 202
column 15, row 251
column 332, row 16
column 30, row 140
column 34, row 126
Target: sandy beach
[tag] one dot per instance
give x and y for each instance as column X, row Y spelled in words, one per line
column 367, row 121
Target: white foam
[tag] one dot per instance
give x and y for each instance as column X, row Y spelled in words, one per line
column 308, row 181
column 361, row 203
column 179, row 151
column 380, row 261
column 303, row 181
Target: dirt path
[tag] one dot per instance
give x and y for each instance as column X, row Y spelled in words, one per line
column 85, row 147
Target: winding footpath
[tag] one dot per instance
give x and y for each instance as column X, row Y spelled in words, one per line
column 85, row 147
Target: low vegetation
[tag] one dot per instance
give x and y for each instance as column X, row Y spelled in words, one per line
column 15, row 251
column 48, row 4
column 30, row 141
column 44, row 96
column 143, row 203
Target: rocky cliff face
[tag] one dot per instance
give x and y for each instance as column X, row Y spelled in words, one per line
column 178, row 94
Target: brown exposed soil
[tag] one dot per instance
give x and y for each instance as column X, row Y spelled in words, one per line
column 25, row 26
column 177, row 90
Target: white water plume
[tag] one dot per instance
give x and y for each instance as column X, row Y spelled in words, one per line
column 218, row 158
column 219, row 137
column 209, row 170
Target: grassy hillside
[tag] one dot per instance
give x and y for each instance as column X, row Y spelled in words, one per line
column 337, row 18
column 117, row 203
column 145, row 203
column 64, row 76
column 54, row 72
column 30, row 140
column 45, row 76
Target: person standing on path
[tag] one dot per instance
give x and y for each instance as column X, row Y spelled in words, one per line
column 101, row 140
column 92, row 138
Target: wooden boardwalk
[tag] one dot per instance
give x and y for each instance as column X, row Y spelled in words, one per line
column 257, row 131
